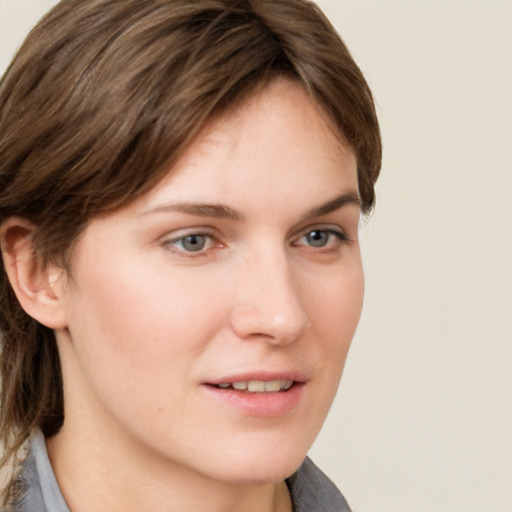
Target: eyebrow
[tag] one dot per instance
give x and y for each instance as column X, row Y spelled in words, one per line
column 348, row 198
column 221, row 211
column 217, row 211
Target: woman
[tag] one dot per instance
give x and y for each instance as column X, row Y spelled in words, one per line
column 181, row 185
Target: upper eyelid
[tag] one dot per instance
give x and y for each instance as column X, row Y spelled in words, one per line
column 333, row 228
column 178, row 234
column 339, row 236
column 170, row 239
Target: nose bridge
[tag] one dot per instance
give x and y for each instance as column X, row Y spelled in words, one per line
column 269, row 304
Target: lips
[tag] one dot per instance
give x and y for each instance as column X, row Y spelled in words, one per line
column 259, row 394
column 259, row 381
column 258, row 386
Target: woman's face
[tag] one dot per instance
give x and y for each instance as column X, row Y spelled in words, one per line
column 209, row 321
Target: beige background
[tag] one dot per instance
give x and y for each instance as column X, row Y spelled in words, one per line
column 423, row 421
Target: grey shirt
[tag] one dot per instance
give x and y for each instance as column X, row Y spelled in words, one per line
column 310, row 489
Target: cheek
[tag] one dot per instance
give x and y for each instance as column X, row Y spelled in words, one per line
column 335, row 307
column 132, row 322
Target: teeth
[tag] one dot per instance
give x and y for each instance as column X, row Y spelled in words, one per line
column 259, row 386
column 287, row 384
column 273, row 385
column 255, row 386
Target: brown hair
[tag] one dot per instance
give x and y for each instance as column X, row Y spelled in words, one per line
column 103, row 97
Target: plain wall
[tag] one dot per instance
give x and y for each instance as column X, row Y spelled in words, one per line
column 423, row 419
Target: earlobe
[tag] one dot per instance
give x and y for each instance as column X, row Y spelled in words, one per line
column 37, row 284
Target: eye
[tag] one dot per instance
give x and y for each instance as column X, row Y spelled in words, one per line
column 322, row 238
column 191, row 243
column 317, row 238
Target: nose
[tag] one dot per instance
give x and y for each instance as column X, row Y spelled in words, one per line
column 269, row 305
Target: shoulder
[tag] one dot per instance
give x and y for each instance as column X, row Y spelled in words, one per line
column 39, row 489
column 313, row 491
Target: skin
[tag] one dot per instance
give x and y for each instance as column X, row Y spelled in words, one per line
column 146, row 323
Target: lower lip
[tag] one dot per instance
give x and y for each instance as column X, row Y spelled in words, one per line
column 266, row 405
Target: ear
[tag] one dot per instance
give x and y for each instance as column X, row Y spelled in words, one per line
column 37, row 285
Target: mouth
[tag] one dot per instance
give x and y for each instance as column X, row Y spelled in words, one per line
column 257, row 386
column 259, row 393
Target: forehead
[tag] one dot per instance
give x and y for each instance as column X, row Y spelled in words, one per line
column 279, row 128
column 267, row 109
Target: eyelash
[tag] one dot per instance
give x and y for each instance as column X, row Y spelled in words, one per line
column 211, row 242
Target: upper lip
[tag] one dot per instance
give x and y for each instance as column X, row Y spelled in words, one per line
column 264, row 376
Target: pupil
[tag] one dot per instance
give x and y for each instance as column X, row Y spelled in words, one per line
column 194, row 242
column 317, row 238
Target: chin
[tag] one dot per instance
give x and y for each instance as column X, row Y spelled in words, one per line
column 265, row 467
